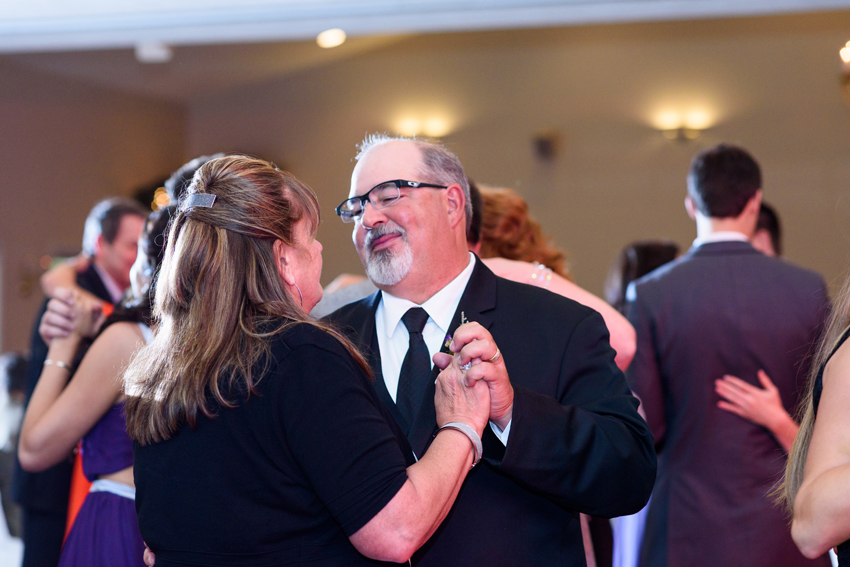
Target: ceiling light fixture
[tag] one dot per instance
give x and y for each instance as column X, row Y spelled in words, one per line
column 331, row 38
column 153, row 52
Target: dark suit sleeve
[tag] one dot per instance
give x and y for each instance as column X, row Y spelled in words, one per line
column 588, row 450
column 643, row 374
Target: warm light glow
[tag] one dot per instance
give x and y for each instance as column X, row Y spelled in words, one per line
column 436, row 127
column 667, row 120
column 408, row 126
column 683, row 124
column 331, row 38
column 160, row 199
column 845, row 53
column 697, row 120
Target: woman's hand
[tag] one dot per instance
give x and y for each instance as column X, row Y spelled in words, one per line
column 70, row 312
column 759, row 405
column 459, row 397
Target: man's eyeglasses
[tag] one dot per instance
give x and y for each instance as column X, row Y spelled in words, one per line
column 380, row 196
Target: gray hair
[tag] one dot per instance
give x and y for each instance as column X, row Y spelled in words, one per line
column 439, row 165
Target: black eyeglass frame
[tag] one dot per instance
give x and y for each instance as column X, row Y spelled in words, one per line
column 348, row 216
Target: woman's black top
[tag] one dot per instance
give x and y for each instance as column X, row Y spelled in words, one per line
column 283, row 478
column 844, row 548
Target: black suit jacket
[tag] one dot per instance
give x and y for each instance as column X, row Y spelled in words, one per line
column 577, row 443
column 49, row 489
column 721, row 308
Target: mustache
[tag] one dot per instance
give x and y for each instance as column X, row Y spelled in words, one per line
column 383, row 230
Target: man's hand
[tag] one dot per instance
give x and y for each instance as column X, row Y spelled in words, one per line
column 476, row 347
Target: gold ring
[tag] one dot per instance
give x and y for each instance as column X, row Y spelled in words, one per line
column 496, row 356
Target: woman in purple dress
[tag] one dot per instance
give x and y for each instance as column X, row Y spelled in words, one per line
column 91, row 407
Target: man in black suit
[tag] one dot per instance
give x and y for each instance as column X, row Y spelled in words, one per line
column 110, row 240
column 721, row 308
column 564, row 434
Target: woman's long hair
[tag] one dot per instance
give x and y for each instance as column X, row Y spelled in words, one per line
column 219, row 296
column 796, row 465
column 509, row 231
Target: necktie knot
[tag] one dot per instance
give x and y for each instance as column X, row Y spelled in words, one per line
column 415, row 320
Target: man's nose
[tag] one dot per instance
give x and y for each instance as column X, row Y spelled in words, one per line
column 371, row 216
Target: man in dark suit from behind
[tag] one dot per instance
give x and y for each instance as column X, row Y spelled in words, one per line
column 110, row 240
column 721, row 308
column 564, row 434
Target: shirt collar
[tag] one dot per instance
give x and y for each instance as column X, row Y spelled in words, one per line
column 440, row 307
column 721, row 236
column 115, row 291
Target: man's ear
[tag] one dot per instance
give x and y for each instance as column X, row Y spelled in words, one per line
column 98, row 245
column 456, row 200
column 691, row 208
column 283, row 257
column 754, row 204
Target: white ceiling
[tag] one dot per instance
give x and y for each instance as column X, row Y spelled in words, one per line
column 51, row 25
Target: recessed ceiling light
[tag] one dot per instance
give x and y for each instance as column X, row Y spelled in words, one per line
column 153, row 52
column 331, row 38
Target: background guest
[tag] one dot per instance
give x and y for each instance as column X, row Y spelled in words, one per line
column 514, row 246
column 110, row 239
column 767, row 238
column 105, row 532
column 633, row 262
column 722, row 307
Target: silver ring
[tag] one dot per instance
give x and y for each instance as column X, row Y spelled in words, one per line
column 466, row 366
column 496, row 356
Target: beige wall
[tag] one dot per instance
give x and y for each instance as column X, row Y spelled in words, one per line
column 774, row 83
column 64, row 146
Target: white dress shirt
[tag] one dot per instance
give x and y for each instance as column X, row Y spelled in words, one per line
column 115, row 291
column 393, row 338
column 721, row 236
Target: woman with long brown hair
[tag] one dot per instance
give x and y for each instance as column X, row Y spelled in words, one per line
column 817, row 478
column 260, row 440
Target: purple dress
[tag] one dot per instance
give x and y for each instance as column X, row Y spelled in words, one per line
column 106, row 531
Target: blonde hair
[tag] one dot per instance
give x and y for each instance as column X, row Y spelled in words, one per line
column 509, row 231
column 796, row 465
column 219, row 296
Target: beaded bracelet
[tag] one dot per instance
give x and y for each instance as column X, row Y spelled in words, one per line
column 59, row 363
column 541, row 276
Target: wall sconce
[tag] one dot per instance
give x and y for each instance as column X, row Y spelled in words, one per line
column 682, row 126
column 844, row 52
column 433, row 126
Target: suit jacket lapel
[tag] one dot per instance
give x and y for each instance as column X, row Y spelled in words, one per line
column 476, row 304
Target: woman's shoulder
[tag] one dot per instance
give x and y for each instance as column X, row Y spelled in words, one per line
column 306, row 336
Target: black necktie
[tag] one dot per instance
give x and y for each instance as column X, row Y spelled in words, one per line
column 416, row 368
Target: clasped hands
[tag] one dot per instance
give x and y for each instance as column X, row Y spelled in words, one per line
column 71, row 312
column 474, row 344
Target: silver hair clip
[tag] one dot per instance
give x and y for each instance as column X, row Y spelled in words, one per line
column 199, row 200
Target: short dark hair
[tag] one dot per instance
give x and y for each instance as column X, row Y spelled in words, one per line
column 105, row 219
column 473, row 231
column 722, row 180
column 769, row 221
